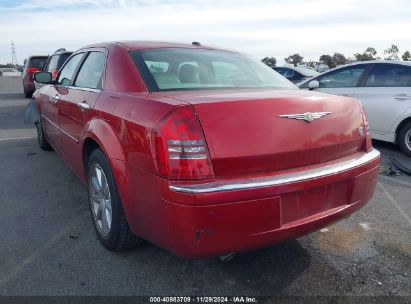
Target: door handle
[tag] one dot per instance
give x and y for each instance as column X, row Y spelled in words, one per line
column 83, row 105
column 402, row 97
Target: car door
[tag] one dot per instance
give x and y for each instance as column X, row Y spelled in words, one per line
column 76, row 105
column 386, row 95
column 50, row 103
column 341, row 81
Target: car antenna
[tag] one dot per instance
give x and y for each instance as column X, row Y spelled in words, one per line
column 196, row 43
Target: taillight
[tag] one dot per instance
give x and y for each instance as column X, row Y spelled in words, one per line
column 30, row 72
column 180, row 146
column 368, row 141
column 366, row 129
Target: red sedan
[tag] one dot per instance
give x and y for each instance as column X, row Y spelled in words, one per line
column 203, row 151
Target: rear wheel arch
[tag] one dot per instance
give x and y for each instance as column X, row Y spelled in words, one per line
column 99, row 134
column 89, row 145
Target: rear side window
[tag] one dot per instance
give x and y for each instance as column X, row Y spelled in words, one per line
column 341, row 78
column 66, row 75
column 389, row 75
column 91, row 72
column 52, row 64
column 37, row 62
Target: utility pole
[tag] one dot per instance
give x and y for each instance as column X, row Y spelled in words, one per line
column 13, row 54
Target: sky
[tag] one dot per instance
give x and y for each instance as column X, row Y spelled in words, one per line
column 260, row 28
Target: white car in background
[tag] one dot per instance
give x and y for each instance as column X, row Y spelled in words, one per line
column 11, row 72
column 384, row 89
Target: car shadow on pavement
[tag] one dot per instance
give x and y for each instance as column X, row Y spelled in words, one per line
column 270, row 269
column 262, row 272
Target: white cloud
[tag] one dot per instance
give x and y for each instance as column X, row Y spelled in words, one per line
column 261, row 28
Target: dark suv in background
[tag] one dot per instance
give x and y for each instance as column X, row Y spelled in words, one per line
column 55, row 61
column 296, row 74
column 32, row 65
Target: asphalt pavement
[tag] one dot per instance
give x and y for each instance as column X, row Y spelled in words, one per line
column 48, row 246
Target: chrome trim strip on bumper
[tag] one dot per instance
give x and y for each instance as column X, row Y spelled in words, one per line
column 279, row 179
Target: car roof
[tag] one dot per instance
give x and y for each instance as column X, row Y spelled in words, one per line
column 61, row 51
column 384, row 61
column 37, row 56
column 139, row 45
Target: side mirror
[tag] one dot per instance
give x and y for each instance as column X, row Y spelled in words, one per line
column 313, row 84
column 43, row 77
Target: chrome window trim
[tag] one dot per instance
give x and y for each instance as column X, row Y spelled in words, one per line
column 283, row 179
column 56, row 126
column 84, row 89
column 86, row 52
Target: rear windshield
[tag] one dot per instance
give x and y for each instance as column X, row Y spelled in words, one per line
column 196, row 69
column 37, row 62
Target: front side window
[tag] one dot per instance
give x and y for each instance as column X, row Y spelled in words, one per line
column 67, row 73
column 389, row 75
column 91, row 72
column 341, row 78
column 196, row 69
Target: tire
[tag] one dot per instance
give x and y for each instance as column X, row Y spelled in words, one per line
column 42, row 141
column 404, row 138
column 112, row 229
column 28, row 94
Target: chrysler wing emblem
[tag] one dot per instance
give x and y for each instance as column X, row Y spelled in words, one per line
column 308, row 117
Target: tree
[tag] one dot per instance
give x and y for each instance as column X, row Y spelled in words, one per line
column 406, row 56
column 369, row 54
column 294, row 59
column 333, row 61
column 339, row 58
column 392, row 52
column 270, row 61
column 328, row 60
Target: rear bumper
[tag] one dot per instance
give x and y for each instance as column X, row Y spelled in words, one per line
column 210, row 219
column 278, row 180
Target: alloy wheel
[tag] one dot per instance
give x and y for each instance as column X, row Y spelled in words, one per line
column 408, row 139
column 100, row 200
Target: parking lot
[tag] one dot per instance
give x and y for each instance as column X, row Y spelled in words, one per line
column 48, row 245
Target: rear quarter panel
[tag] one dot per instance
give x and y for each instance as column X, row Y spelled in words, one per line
column 132, row 117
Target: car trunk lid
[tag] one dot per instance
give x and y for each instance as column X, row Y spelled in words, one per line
column 246, row 130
